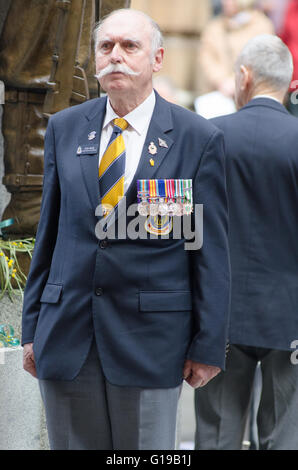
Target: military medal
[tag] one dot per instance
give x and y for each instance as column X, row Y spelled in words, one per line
column 143, row 209
column 143, row 206
column 187, row 208
column 162, row 199
column 179, row 207
column 143, row 193
column 162, row 207
column 153, row 209
column 187, row 191
column 172, row 208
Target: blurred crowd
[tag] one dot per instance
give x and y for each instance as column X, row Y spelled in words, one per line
column 234, row 23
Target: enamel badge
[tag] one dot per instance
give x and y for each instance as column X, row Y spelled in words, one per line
column 152, row 148
column 162, row 143
column 92, row 135
column 159, row 225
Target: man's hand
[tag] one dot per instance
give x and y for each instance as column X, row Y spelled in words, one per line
column 28, row 359
column 197, row 374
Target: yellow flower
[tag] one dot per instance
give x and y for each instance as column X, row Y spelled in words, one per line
column 10, row 263
column 14, row 243
column 13, row 275
column 1, row 254
column 14, row 270
column 6, row 257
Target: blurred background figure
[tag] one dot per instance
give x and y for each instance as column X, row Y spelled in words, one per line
column 262, row 175
column 221, row 41
column 214, row 104
column 216, row 6
column 165, row 86
column 289, row 35
column 275, row 10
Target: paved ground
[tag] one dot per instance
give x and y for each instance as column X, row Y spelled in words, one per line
column 186, row 418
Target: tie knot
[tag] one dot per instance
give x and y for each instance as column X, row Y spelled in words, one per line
column 121, row 123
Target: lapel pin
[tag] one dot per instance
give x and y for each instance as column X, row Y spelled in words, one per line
column 92, row 135
column 152, row 162
column 162, row 143
column 152, row 148
column 79, row 150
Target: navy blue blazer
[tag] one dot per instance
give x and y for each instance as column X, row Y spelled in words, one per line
column 149, row 303
column 262, row 181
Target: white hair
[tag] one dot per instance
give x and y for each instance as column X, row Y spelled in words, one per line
column 269, row 59
column 157, row 37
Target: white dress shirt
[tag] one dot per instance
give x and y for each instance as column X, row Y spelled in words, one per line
column 134, row 135
column 266, row 96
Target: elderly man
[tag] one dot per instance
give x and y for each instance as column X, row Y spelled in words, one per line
column 262, row 176
column 117, row 322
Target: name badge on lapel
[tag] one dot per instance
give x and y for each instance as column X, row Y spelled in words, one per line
column 87, row 149
column 160, row 200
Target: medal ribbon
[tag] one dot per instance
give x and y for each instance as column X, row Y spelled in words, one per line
column 178, row 189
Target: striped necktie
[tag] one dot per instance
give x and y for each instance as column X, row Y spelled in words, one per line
column 112, row 168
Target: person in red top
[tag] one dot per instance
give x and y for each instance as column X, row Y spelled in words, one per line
column 289, row 35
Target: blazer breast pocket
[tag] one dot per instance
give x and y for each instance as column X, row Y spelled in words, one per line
column 51, row 293
column 165, row 301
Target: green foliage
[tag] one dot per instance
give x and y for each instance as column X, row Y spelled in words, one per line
column 12, row 278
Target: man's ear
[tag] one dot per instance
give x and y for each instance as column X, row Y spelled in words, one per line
column 158, row 60
column 245, row 78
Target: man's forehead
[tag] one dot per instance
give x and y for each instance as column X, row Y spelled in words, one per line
column 130, row 24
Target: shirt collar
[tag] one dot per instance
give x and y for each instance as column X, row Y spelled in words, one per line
column 266, row 96
column 138, row 118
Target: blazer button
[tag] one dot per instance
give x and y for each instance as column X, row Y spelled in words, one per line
column 98, row 291
column 103, row 244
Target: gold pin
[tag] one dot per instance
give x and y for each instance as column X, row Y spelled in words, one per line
column 152, row 148
column 152, row 162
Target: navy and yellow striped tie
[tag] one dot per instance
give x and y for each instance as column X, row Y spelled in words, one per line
column 112, row 168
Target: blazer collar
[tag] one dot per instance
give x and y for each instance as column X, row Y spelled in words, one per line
column 88, row 149
column 267, row 102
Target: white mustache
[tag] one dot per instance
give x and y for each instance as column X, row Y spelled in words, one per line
column 115, row 68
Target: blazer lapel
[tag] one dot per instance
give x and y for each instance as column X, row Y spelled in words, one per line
column 88, row 151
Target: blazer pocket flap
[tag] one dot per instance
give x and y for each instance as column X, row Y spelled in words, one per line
column 51, row 293
column 165, row 301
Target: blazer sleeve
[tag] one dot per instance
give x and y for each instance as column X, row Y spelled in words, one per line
column 45, row 240
column 211, row 263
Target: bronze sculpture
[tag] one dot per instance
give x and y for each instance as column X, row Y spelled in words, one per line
column 46, row 64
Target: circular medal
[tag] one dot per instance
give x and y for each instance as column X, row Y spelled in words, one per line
column 162, row 208
column 143, row 208
column 172, row 208
column 153, row 209
column 179, row 209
